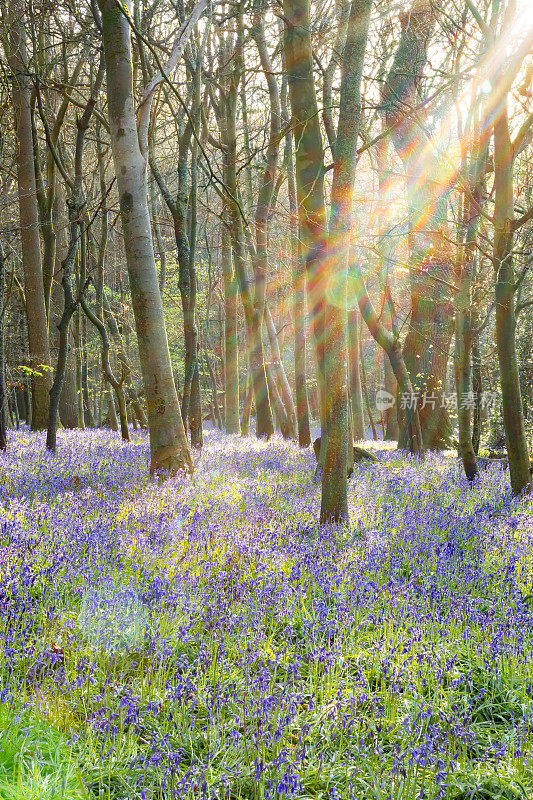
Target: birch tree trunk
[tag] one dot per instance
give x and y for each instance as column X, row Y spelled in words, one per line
column 169, row 449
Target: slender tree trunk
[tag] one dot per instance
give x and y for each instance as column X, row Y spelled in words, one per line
column 111, row 415
column 79, row 370
column 298, row 282
column 212, row 377
column 125, row 365
column 69, row 307
column 158, row 238
column 107, row 371
column 263, row 412
column 68, row 412
column 20, row 392
column 513, row 417
column 464, row 337
column 392, row 429
column 3, row 397
column 278, row 372
column 367, row 399
column 16, row 421
column 247, row 408
column 231, row 74
column 263, row 210
column 408, row 419
column 356, row 393
column 195, row 409
column 28, row 406
column 231, row 361
column 300, row 367
column 168, row 442
column 477, row 387
column 39, row 351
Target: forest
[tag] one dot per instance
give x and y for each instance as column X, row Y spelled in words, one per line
column 266, row 399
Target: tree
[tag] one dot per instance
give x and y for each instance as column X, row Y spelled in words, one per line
column 427, row 342
column 39, row 350
column 168, row 443
column 327, row 251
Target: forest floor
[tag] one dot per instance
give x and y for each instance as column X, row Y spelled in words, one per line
column 203, row 638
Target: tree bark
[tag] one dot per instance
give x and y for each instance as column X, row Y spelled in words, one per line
column 309, row 170
column 231, row 75
column 513, row 416
column 298, row 284
column 427, row 343
column 79, row 370
column 231, row 361
column 69, row 307
column 107, row 371
column 334, row 505
column 356, row 393
column 169, row 448
column 3, row 397
column 68, row 412
column 278, row 372
column 39, row 352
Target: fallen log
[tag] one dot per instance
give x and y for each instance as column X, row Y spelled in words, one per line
column 359, row 453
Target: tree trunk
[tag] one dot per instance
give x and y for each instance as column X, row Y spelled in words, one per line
column 247, row 408
column 39, row 352
column 298, row 281
column 69, row 307
column 309, row 170
column 3, row 397
column 300, row 367
column 280, row 376
column 477, row 387
column 111, row 416
column 168, row 443
column 231, row 68
column 79, row 371
column 68, row 412
column 212, row 377
column 464, row 311
column 428, row 339
column 195, row 409
column 158, row 238
column 108, row 372
column 390, row 385
column 367, row 399
column 334, row 486
column 109, row 317
column 87, row 408
column 408, row 419
column 513, row 417
column 356, row 393
column 231, row 361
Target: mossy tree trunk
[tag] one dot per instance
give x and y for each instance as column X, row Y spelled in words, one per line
column 169, row 449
